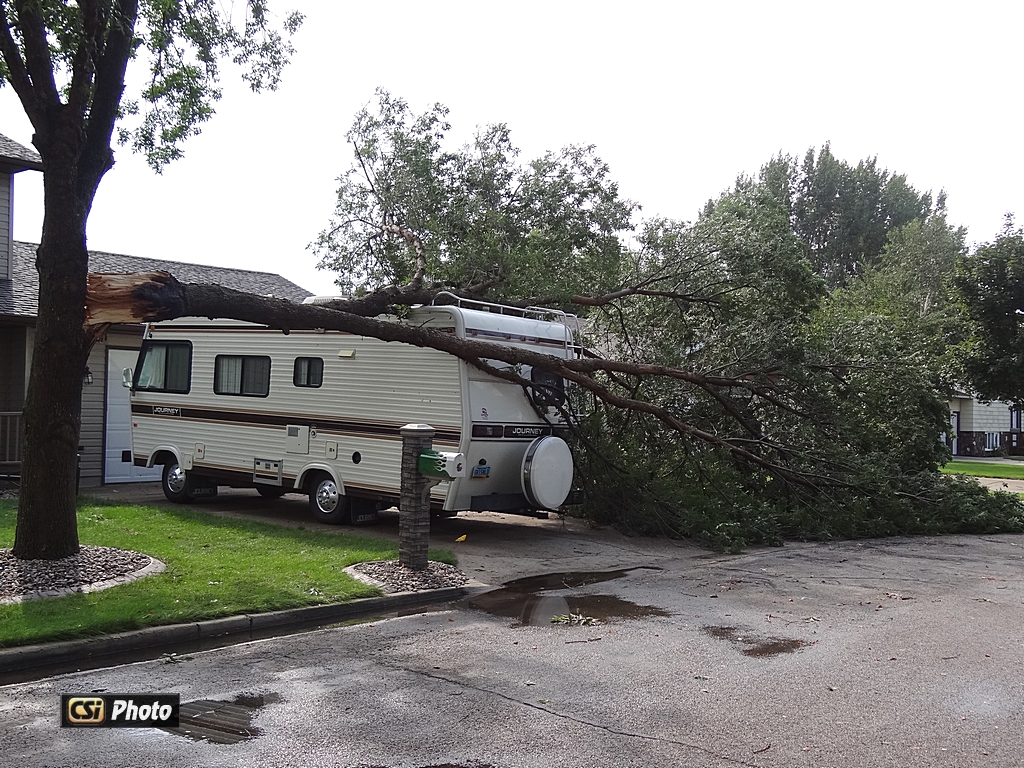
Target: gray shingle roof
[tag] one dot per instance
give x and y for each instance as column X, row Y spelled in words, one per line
column 19, row 296
column 15, row 157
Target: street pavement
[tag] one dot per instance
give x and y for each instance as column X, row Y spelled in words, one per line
column 900, row 652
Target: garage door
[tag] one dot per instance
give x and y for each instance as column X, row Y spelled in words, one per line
column 119, row 423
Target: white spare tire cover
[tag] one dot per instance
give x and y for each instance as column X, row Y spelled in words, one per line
column 547, row 472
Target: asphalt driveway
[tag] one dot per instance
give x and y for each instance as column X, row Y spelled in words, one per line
column 895, row 652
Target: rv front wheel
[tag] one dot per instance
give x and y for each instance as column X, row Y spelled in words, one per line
column 326, row 502
column 175, row 483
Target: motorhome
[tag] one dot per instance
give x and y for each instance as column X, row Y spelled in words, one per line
column 228, row 403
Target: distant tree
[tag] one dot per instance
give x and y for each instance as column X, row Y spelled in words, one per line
column 991, row 282
column 67, row 64
column 843, row 214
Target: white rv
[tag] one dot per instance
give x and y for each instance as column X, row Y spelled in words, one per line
column 220, row 402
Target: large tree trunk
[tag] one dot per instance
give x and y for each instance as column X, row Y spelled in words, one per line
column 47, row 522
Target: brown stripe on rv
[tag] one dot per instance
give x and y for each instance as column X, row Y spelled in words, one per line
column 243, row 329
column 377, row 429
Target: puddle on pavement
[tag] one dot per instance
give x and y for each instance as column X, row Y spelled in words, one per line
column 569, row 579
column 756, row 645
column 525, row 599
column 221, row 722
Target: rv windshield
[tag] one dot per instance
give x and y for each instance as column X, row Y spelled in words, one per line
column 165, row 366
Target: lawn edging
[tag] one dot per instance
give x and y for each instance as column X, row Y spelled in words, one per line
column 205, row 635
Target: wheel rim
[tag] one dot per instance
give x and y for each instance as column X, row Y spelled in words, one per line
column 327, row 496
column 176, row 479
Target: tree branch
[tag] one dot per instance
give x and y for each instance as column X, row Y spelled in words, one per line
column 17, row 71
column 108, row 87
column 38, row 62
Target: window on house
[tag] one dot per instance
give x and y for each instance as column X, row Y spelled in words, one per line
column 245, row 375
column 164, row 366
column 991, row 441
column 308, row 372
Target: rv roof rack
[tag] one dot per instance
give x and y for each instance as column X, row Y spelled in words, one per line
column 538, row 313
column 570, row 321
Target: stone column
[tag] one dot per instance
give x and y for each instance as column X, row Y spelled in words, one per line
column 414, row 507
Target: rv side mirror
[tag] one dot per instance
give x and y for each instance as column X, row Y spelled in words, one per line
column 126, row 378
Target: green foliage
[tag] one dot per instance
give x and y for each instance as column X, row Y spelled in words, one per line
column 183, row 44
column 911, row 293
column 991, row 282
column 842, row 214
column 663, row 488
column 547, row 227
column 847, row 388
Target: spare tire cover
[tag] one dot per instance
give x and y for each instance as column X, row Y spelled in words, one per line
column 547, row 472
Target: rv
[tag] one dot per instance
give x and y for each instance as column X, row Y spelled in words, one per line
column 221, row 402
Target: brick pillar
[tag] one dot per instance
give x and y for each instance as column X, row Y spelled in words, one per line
column 414, row 507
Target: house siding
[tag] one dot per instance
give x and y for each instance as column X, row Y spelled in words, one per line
column 981, row 423
column 989, row 417
column 6, row 216
column 90, row 439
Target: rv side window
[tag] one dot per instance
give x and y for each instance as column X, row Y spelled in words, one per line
column 164, row 366
column 245, row 375
column 308, row 372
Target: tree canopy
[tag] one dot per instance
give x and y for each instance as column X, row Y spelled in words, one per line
column 475, row 218
column 843, row 214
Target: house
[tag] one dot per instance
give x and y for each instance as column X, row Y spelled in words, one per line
column 983, row 428
column 105, row 433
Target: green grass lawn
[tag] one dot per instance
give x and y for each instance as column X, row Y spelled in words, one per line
column 980, row 469
column 216, row 567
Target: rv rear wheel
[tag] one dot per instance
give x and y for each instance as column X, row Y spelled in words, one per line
column 175, row 483
column 326, row 502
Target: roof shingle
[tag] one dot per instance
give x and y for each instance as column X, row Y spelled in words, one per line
column 19, row 297
column 15, row 157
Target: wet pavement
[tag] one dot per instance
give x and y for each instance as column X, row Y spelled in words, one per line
column 898, row 652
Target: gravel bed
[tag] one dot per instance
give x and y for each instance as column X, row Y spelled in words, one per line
column 392, row 577
column 89, row 566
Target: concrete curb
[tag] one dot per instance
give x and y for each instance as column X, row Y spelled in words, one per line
column 204, row 635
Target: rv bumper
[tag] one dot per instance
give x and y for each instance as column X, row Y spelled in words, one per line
column 498, row 502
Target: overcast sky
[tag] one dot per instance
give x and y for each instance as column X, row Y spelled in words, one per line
column 678, row 98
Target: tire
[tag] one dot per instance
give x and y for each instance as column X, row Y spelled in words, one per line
column 270, row 491
column 175, row 483
column 326, row 501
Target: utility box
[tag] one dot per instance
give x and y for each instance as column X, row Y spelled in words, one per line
column 442, row 464
column 297, row 440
